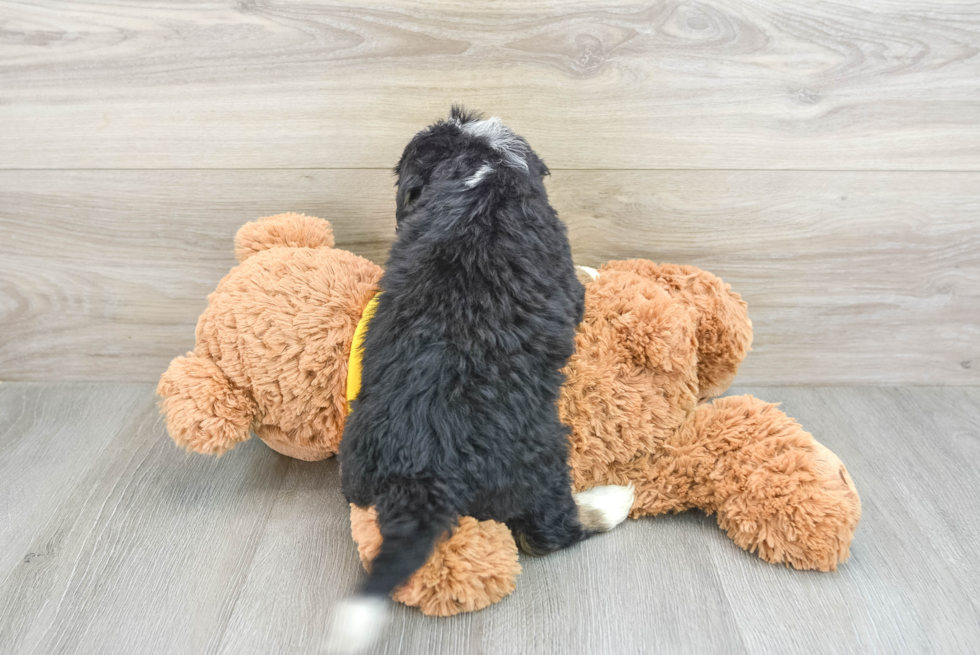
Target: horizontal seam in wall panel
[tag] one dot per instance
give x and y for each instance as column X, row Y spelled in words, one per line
column 582, row 170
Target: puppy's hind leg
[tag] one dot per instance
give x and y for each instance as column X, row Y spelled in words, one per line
column 550, row 522
column 557, row 518
column 601, row 509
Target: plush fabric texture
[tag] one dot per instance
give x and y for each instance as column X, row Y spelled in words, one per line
column 273, row 344
column 476, row 566
column 652, row 339
column 655, row 343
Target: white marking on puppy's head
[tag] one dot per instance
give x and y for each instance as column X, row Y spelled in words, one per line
column 511, row 147
column 478, row 176
column 356, row 624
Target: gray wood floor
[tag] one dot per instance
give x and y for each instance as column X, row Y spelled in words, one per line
column 114, row 541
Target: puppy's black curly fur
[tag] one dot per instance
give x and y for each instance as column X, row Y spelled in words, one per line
column 457, row 413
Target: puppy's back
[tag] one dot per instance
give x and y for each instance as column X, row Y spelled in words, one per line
column 476, row 319
column 461, row 362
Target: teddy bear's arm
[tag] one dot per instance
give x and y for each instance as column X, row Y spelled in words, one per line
column 205, row 412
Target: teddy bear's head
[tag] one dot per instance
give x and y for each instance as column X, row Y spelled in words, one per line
column 273, row 344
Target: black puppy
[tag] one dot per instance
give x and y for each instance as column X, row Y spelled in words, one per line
column 457, row 413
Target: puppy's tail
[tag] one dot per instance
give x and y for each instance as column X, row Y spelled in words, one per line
column 412, row 515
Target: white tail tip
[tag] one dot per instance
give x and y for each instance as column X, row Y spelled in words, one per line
column 356, row 624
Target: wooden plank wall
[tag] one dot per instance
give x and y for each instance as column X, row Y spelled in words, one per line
column 822, row 157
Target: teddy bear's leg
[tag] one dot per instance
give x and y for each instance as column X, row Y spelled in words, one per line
column 205, row 412
column 473, row 568
column 775, row 489
column 724, row 331
column 297, row 444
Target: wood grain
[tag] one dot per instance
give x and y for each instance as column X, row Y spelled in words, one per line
column 157, row 546
column 49, row 456
column 869, row 278
column 886, row 84
column 910, row 453
column 108, row 271
column 140, row 547
column 851, row 278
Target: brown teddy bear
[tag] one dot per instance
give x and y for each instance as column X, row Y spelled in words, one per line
column 274, row 351
column 272, row 346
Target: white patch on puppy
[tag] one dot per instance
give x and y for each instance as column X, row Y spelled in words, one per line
column 588, row 270
column 356, row 624
column 511, row 147
column 478, row 176
column 603, row 508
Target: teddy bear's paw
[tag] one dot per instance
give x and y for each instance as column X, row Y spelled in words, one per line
column 601, row 509
column 205, row 412
column 472, row 568
column 809, row 522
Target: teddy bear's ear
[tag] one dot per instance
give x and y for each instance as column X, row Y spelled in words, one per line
column 282, row 230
